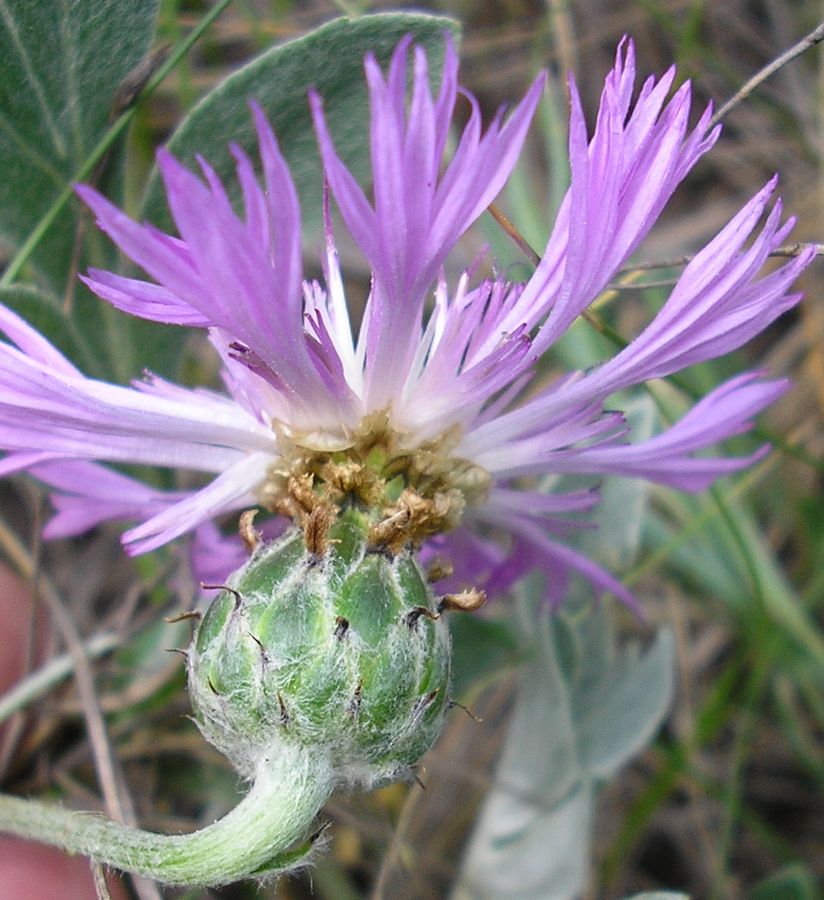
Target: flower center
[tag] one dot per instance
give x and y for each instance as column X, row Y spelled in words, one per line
column 409, row 492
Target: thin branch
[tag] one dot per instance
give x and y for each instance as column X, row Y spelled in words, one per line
column 15, row 728
column 395, row 851
column 562, row 29
column 101, row 751
column 100, row 886
column 814, row 37
column 788, row 251
column 40, row 682
column 135, row 693
column 116, row 798
column 513, row 233
column 643, row 285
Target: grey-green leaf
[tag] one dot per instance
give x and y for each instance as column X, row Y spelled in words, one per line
column 630, row 706
column 529, row 841
column 329, row 59
column 660, row 895
column 60, row 67
column 583, row 708
column 481, row 650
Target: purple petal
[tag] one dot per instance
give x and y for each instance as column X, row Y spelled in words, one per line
column 43, row 410
column 620, row 183
column 143, row 299
column 556, row 559
column 667, row 458
column 33, row 343
column 88, row 494
column 241, row 276
column 417, row 215
column 233, row 489
column 213, row 556
column 473, row 558
column 165, row 258
column 718, row 303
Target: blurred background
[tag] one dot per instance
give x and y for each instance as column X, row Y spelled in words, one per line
column 727, row 803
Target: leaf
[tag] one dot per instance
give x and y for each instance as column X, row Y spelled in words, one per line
column 60, row 67
column 331, row 60
column 543, row 857
column 528, row 839
column 633, row 700
column 660, row 895
column 481, row 648
column 583, row 709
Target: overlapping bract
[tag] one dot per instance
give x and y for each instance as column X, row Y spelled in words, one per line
column 293, row 367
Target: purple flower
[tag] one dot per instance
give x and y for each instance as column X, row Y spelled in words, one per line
column 428, row 414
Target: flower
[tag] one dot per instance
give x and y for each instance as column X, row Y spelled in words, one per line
column 428, row 417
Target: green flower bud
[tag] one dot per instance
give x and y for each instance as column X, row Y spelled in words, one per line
column 341, row 650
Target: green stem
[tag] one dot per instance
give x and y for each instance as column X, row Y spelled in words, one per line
column 258, row 836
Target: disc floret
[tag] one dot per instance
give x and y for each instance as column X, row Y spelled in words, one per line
column 411, row 492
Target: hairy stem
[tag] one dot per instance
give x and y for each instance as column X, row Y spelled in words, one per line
column 258, row 836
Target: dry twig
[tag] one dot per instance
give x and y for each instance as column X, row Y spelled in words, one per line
column 816, row 36
column 117, row 802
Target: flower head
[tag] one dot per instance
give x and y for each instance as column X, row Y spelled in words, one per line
column 427, row 416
